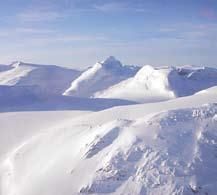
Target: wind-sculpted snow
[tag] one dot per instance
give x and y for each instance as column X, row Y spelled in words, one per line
column 171, row 152
column 99, row 77
column 159, row 84
column 174, row 153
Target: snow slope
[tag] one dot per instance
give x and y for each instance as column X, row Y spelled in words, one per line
column 16, row 127
column 32, row 98
column 164, row 147
column 30, row 87
column 158, row 148
column 156, row 84
column 99, row 77
column 49, row 78
column 4, row 67
column 10, row 95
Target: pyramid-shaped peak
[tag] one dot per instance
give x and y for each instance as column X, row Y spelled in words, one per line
column 16, row 64
column 110, row 59
column 111, row 63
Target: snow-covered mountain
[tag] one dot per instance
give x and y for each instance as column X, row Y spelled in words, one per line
column 156, row 84
column 84, row 145
column 99, row 77
column 49, row 78
column 159, row 148
column 32, row 87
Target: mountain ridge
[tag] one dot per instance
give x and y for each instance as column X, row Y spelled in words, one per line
column 51, row 79
column 100, row 76
column 162, row 83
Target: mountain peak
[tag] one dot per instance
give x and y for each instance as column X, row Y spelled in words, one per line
column 111, row 63
column 16, row 64
column 110, row 59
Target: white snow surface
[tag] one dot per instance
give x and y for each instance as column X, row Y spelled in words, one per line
column 80, row 143
column 158, row 148
column 157, row 84
column 28, row 124
column 50, row 79
column 99, row 77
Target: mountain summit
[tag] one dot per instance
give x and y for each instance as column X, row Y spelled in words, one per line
column 99, row 77
column 111, row 63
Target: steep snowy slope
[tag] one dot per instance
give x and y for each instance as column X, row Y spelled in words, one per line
column 158, row 148
column 50, row 79
column 99, row 77
column 156, row 84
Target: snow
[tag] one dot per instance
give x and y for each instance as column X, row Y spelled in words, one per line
column 99, row 77
column 28, row 124
column 158, row 84
column 164, row 147
column 52, row 144
column 31, row 98
column 32, row 87
column 49, row 78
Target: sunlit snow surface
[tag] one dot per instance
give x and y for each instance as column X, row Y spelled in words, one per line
column 49, row 79
column 71, row 145
column 159, row 84
column 99, row 77
column 153, row 152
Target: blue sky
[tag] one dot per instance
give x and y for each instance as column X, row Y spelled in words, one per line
column 77, row 33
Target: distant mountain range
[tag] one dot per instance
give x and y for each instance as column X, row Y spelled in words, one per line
column 110, row 129
column 49, row 78
column 110, row 79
